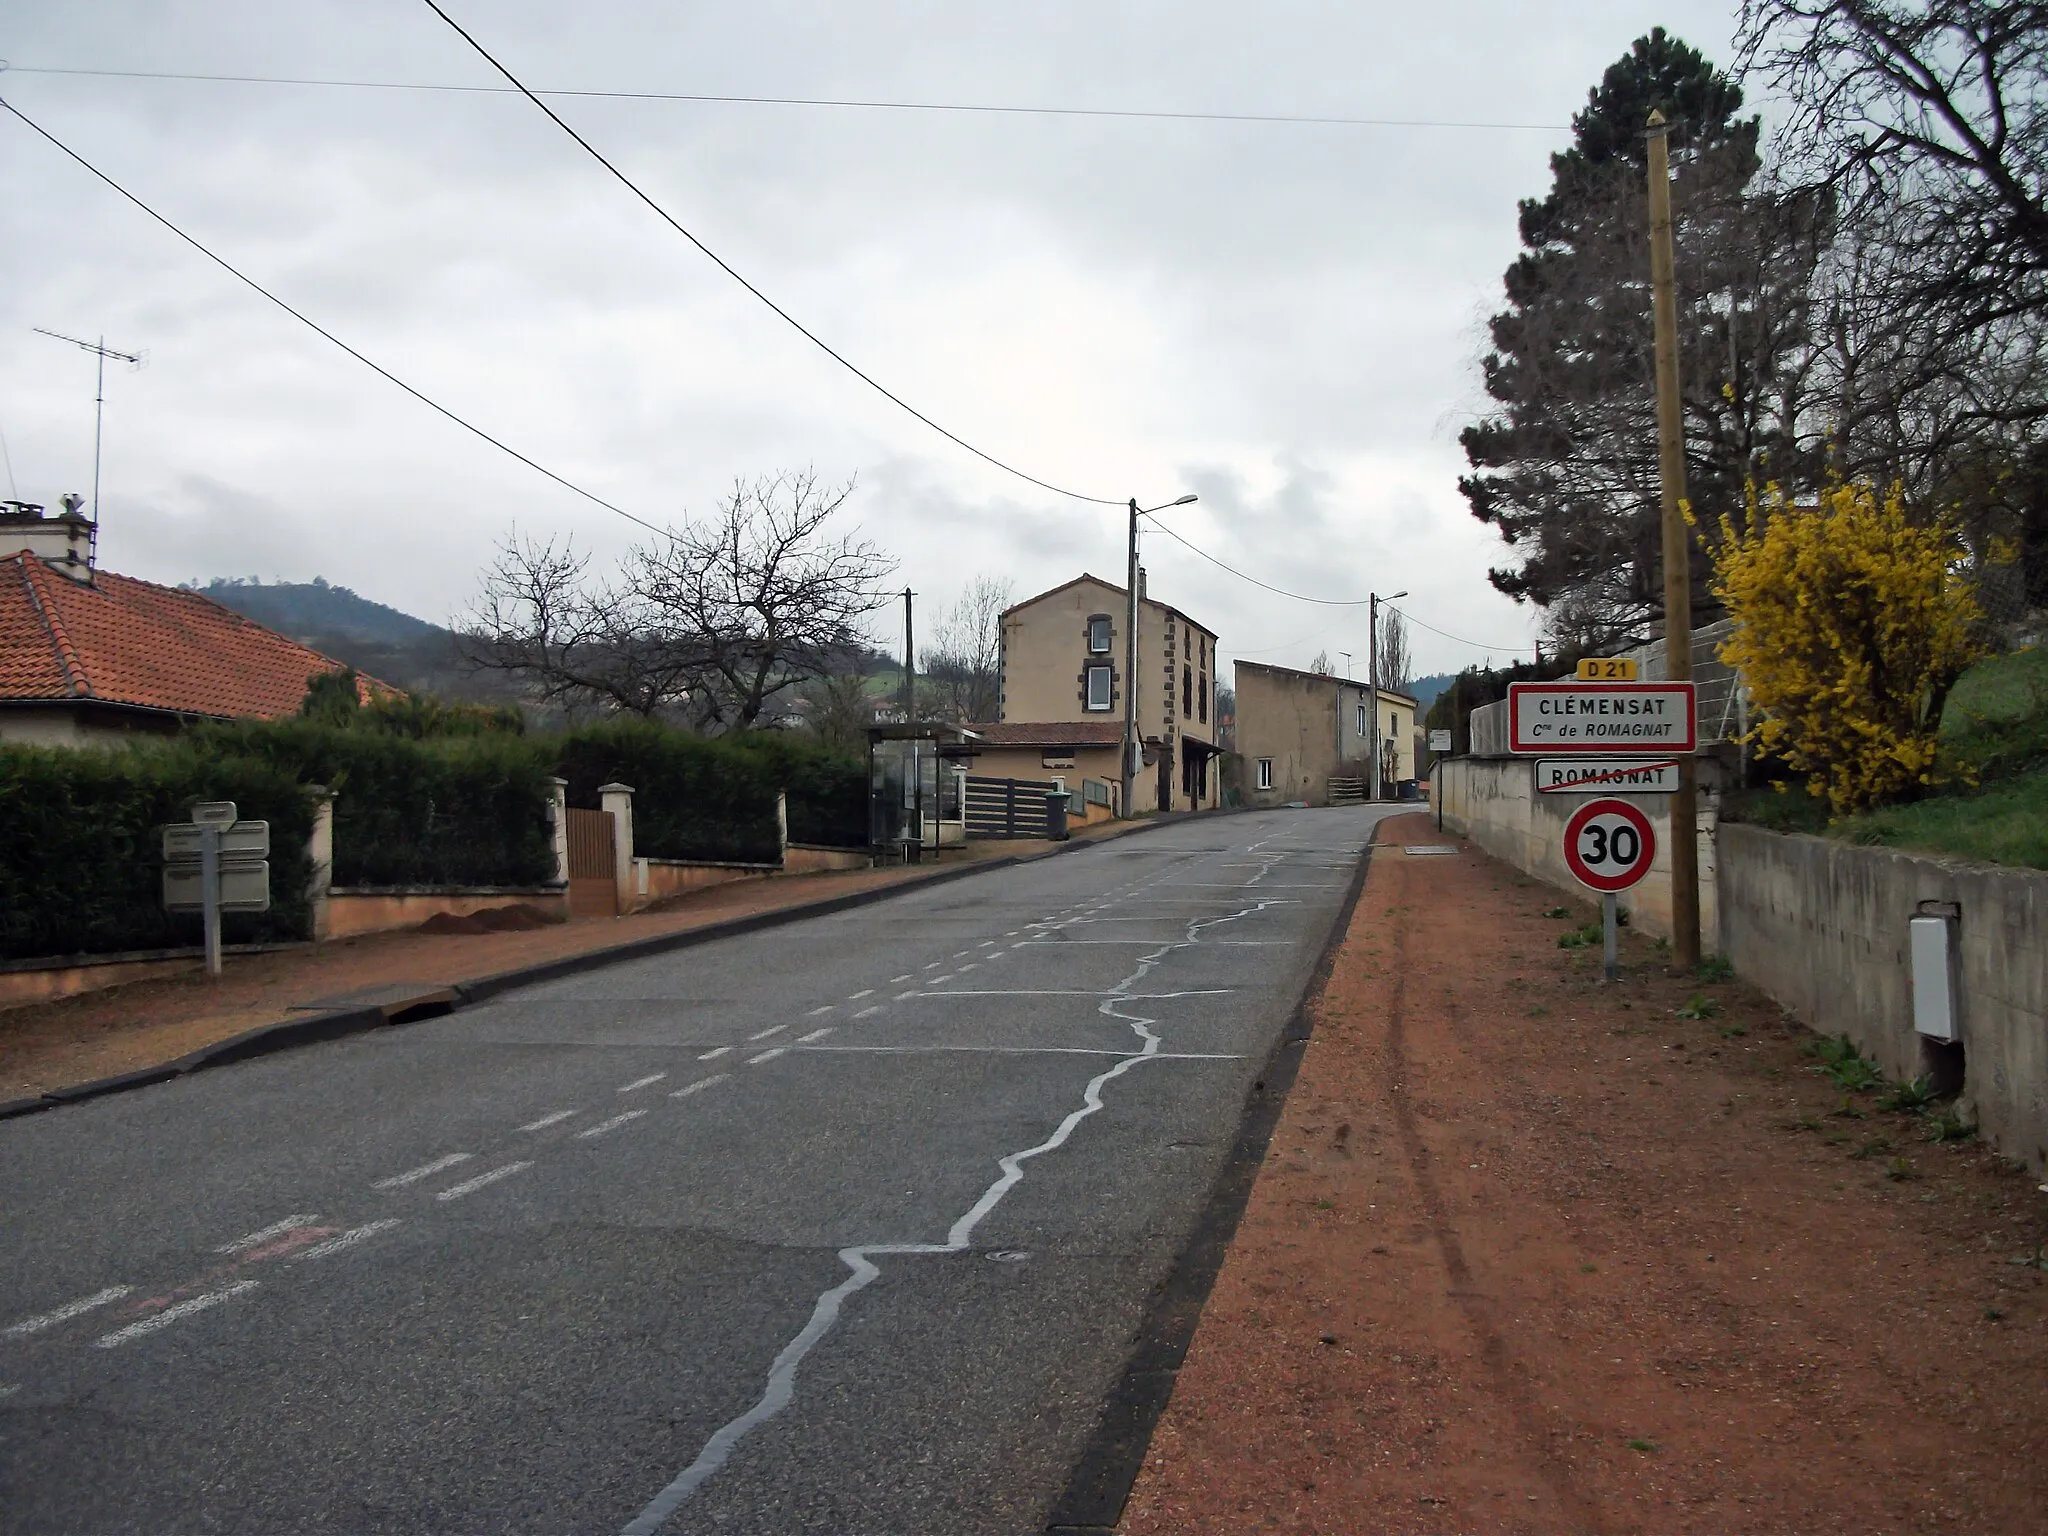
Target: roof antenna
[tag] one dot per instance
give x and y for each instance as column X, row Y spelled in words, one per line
column 102, row 351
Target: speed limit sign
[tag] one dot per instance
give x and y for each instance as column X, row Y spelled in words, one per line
column 1608, row 844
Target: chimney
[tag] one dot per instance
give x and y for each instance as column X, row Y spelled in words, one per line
column 1141, row 583
column 64, row 542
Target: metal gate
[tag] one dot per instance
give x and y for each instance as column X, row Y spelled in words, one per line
column 1000, row 808
column 593, row 865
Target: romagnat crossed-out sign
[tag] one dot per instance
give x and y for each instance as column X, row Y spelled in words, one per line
column 1562, row 717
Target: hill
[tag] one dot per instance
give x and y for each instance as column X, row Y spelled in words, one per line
column 303, row 609
column 1423, row 690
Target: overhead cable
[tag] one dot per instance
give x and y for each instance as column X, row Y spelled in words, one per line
column 865, row 104
column 314, row 325
column 801, row 329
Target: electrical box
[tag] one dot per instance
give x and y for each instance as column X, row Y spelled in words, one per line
column 1934, row 976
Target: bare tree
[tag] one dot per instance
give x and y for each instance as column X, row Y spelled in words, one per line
column 1322, row 666
column 715, row 619
column 963, row 667
column 767, row 596
column 574, row 642
column 1392, row 661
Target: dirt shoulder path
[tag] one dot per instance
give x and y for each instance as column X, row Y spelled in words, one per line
column 1531, row 1254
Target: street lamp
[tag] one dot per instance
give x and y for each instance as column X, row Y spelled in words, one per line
column 1372, row 678
column 1131, row 748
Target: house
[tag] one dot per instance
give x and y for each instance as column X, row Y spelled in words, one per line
column 1063, row 691
column 1296, row 731
column 88, row 657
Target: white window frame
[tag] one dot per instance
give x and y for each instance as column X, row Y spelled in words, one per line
column 1107, row 633
column 1265, row 773
column 1108, row 677
column 1361, row 719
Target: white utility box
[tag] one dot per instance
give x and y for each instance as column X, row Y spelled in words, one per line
column 1934, row 976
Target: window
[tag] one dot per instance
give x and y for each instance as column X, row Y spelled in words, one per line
column 1202, row 699
column 1098, row 636
column 1098, row 688
column 1265, row 773
column 1187, row 692
column 1361, row 720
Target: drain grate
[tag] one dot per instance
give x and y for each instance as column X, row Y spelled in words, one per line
column 1420, row 848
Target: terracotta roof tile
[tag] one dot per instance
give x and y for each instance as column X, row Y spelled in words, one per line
column 1055, row 733
column 123, row 641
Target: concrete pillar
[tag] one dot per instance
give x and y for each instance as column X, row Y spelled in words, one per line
column 782, row 827
column 320, row 854
column 558, row 815
column 617, row 800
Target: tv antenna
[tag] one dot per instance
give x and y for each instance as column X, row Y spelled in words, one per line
column 102, row 352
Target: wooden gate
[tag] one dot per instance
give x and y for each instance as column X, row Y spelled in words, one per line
column 593, row 865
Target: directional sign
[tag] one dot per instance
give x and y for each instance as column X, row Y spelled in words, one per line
column 243, row 842
column 215, row 813
column 1439, row 741
column 1653, row 718
column 1606, row 775
column 243, row 888
column 1608, row 845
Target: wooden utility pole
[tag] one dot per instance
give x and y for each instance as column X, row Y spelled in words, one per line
column 909, row 664
column 1685, row 877
column 1133, row 751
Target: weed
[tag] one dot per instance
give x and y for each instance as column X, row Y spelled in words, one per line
column 1647, row 1447
column 1993, row 1315
column 1949, row 1126
column 1837, row 1138
column 1872, row 1147
column 1589, row 1269
column 1580, row 938
column 1557, row 911
column 1324, row 1204
column 1714, row 968
column 1698, row 1006
column 1916, row 1095
column 2038, row 1259
column 1900, row 1170
column 1733, row 1032
column 1846, row 1110
column 1539, row 1011
column 1840, row 1060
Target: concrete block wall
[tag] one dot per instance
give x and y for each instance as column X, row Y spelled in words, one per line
column 1821, row 926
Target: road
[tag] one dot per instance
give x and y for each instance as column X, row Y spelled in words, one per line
column 845, row 1226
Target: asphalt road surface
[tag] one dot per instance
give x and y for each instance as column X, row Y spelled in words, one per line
column 841, row 1227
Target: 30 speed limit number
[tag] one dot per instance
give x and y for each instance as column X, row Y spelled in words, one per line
column 1608, row 845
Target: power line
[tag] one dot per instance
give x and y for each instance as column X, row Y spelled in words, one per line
column 1326, row 602
column 305, row 320
column 877, row 105
column 797, row 325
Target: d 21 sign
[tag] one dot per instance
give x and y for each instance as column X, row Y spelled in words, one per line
column 1600, row 717
column 1608, row 845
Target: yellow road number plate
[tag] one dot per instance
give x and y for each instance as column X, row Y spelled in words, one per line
column 1607, row 669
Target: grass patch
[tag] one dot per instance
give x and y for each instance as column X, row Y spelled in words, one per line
column 1581, row 938
column 1715, row 968
column 2002, row 823
column 1916, row 1095
column 1698, row 1006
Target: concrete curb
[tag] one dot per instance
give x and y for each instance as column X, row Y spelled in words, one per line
column 1101, row 1481
column 290, row 1034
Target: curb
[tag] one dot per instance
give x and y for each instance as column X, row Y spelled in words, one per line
column 290, row 1034
column 1100, row 1484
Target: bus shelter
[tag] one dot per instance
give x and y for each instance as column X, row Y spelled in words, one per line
column 917, row 789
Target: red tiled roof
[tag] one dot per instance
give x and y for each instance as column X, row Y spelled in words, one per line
column 127, row 642
column 1056, row 733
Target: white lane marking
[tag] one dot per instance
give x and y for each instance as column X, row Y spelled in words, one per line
column 700, row 1085
column 414, row 1175
column 933, row 981
column 170, row 1315
column 814, row 1036
column 960, row 954
column 471, row 1186
column 1011, row 934
column 1019, row 1050
column 987, row 944
column 902, row 995
column 553, row 1117
column 348, row 1239
column 826, row 1009
column 970, row 965
column 10, row 1388
column 935, row 965
column 780, row 1050
column 714, row 1055
column 643, row 1082
column 897, row 980
column 612, row 1124
column 65, row 1313
column 773, row 1029
column 265, row 1234
column 855, row 997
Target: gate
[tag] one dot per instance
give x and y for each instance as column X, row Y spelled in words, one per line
column 593, row 865
column 1007, row 808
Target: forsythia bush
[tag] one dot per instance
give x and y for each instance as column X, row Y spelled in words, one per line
column 1851, row 627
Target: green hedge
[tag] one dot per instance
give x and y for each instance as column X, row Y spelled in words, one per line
column 828, row 793
column 454, row 810
column 81, row 865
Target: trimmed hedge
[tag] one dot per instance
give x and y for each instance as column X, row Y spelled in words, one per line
column 828, row 793
column 452, row 810
column 81, row 865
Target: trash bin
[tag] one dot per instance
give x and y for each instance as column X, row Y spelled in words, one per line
column 1056, row 816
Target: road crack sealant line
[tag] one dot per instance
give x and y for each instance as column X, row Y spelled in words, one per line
column 780, row 1388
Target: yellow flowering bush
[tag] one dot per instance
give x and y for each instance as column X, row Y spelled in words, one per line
column 1851, row 625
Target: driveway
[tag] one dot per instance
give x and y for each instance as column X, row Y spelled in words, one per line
column 841, row 1227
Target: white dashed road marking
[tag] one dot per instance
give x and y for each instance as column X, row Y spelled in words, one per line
column 826, row 1009
column 554, row 1117
column 780, row 1050
column 700, row 1085
column 170, row 1315
column 643, row 1082
column 898, row 980
column 65, row 1313
column 471, row 1186
column 414, row 1175
column 863, row 992
column 814, row 1036
column 264, row 1235
column 349, row 1238
column 714, row 1055
column 612, row 1124
column 774, row 1029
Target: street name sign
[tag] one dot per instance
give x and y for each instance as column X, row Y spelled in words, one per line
column 243, row 888
column 1608, row 845
column 1648, row 718
column 217, row 863
column 240, row 841
column 1606, row 775
column 1607, row 669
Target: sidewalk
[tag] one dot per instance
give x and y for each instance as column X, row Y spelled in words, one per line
column 48, row 1046
column 1530, row 1254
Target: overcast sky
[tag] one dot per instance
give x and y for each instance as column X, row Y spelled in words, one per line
column 1283, row 319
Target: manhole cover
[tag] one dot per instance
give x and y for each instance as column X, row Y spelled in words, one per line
column 1422, row 848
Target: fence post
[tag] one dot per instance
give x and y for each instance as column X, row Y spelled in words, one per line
column 1009, row 807
column 782, row 827
column 617, row 800
column 320, row 854
column 558, row 814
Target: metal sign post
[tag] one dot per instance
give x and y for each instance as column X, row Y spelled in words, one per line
column 214, row 864
column 1608, row 846
column 209, row 893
